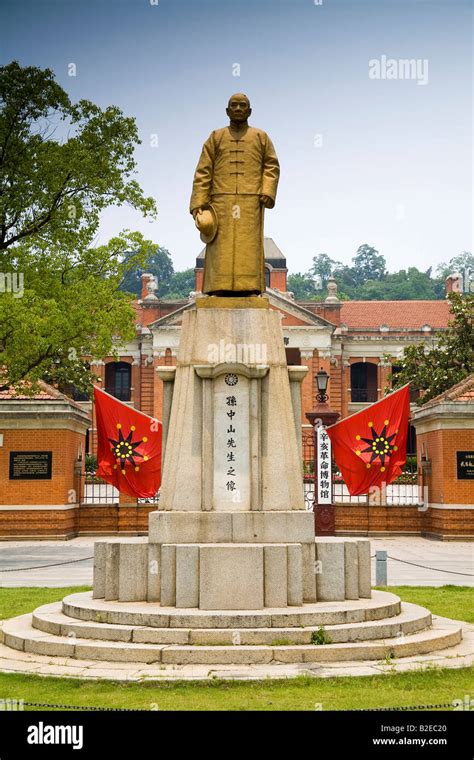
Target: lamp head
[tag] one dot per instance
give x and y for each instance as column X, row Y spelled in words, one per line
column 322, row 380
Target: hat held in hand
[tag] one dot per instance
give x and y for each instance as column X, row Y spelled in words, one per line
column 206, row 222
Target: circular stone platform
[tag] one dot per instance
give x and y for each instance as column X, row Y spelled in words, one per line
column 350, row 630
column 91, row 638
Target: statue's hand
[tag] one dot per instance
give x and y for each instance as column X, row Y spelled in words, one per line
column 196, row 211
column 266, row 201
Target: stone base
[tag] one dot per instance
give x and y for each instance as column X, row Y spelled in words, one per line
column 247, row 573
column 83, row 606
column 232, row 302
column 295, row 526
column 85, row 629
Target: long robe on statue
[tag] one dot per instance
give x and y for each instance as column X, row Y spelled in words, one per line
column 234, row 169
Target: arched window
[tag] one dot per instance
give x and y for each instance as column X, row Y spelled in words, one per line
column 267, row 277
column 118, row 380
column 363, row 382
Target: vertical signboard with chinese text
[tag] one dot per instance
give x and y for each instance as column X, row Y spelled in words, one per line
column 324, row 469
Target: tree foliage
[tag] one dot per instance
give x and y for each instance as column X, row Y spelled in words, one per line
column 303, row 287
column 434, row 370
column 368, row 265
column 56, row 188
column 460, row 263
column 61, row 164
column 158, row 263
column 405, row 285
column 71, row 307
column 172, row 286
column 368, row 279
column 180, row 285
column 323, row 267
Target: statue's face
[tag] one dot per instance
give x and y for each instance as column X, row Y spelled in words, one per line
column 238, row 108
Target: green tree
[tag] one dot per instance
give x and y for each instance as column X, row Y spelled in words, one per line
column 179, row 285
column 368, row 264
column 405, row 285
column 57, row 188
column 158, row 263
column 303, row 287
column 434, row 370
column 71, row 307
column 460, row 263
column 61, row 165
column 323, row 267
column 346, row 283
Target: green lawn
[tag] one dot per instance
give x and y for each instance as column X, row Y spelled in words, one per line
column 456, row 602
column 302, row 693
column 433, row 686
column 18, row 601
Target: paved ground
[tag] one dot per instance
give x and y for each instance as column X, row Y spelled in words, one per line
column 445, row 558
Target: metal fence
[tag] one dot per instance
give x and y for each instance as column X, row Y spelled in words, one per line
column 404, row 491
column 94, row 490
column 150, row 499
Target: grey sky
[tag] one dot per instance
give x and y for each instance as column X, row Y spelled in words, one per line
column 382, row 161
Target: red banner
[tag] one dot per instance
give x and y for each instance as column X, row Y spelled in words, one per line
column 370, row 446
column 129, row 447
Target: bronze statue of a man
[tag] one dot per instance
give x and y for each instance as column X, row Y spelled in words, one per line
column 235, row 180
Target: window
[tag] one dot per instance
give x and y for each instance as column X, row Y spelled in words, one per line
column 411, row 441
column 293, row 357
column 267, row 277
column 363, row 382
column 118, row 380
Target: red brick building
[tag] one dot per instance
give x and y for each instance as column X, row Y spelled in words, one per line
column 42, row 440
column 445, row 437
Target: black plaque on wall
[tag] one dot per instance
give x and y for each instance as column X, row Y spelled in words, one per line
column 465, row 465
column 31, row 465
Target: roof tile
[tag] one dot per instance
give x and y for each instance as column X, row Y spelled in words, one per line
column 395, row 314
column 46, row 393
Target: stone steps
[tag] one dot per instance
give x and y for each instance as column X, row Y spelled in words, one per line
column 380, row 606
column 81, row 628
column 19, row 633
column 50, row 619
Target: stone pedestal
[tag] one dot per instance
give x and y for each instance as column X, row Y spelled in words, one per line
column 231, row 531
column 231, row 521
column 231, row 409
column 234, row 557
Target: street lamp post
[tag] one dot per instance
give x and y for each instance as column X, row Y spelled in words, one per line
column 320, row 418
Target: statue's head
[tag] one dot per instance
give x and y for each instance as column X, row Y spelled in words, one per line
column 238, row 108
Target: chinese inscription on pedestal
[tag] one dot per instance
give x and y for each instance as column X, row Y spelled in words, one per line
column 231, row 448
